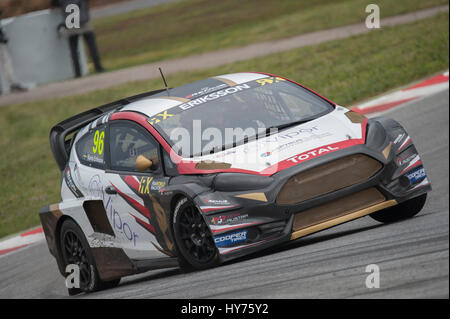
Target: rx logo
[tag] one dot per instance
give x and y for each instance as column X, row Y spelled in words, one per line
column 159, row 117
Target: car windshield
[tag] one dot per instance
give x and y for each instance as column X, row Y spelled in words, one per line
column 231, row 116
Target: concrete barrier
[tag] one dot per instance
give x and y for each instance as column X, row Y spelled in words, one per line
column 38, row 52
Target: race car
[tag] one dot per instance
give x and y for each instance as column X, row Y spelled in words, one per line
column 217, row 169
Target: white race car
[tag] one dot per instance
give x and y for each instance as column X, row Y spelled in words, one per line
column 218, row 169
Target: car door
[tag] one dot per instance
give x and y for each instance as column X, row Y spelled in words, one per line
column 132, row 197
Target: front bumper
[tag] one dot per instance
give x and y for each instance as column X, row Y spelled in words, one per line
column 246, row 222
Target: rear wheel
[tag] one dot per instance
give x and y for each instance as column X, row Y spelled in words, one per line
column 75, row 250
column 401, row 211
column 195, row 245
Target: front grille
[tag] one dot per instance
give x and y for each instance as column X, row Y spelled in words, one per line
column 337, row 208
column 327, row 178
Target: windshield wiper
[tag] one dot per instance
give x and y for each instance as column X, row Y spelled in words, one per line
column 285, row 125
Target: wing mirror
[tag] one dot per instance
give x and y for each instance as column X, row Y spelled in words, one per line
column 143, row 163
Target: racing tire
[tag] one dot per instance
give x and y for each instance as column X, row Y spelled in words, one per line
column 402, row 211
column 196, row 249
column 75, row 250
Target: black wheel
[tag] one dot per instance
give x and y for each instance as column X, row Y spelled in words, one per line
column 195, row 245
column 75, row 250
column 401, row 211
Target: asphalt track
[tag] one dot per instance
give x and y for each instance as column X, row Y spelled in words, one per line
column 413, row 255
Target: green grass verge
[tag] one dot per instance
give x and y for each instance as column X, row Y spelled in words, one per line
column 197, row 26
column 344, row 71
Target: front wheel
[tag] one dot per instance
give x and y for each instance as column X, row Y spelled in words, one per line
column 195, row 245
column 401, row 211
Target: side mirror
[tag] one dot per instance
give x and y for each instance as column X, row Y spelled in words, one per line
column 143, row 163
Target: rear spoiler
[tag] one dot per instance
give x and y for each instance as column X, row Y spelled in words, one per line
column 59, row 142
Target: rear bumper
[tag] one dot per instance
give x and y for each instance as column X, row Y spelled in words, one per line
column 50, row 217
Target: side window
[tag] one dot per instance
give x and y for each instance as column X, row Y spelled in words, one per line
column 91, row 148
column 127, row 142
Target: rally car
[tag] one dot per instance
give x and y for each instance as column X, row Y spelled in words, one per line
column 217, row 169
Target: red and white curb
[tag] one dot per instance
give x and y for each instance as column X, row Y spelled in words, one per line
column 21, row 241
column 386, row 102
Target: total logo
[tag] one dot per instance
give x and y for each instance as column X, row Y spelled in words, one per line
column 311, row 154
column 230, row 239
column 265, row 154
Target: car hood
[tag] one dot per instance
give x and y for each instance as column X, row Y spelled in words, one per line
column 336, row 130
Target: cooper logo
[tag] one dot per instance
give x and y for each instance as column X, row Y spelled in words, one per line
column 231, row 238
column 311, row 154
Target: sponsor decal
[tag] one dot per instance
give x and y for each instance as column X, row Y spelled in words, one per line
column 292, row 134
column 157, row 185
column 206, row 90
column 217, row 201
column 120, row 226
column 266, row 154
column 399, row 138
column 159, row 117
column 145, row 185
column 71, row 184
column 165, row 192
column 287, row 140
column 95, row 187
column 406, row 142
column 213, row 96
column 228, row 219
column 416, row 175
column 76, row 170
column 225, row 153
column 231, row 239
column 283, row 147
column 311, row 154
column 405, row 158
column 92, row 158
column 271, row 80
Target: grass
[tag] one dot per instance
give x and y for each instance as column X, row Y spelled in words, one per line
column 344, row 71
column 197, row 26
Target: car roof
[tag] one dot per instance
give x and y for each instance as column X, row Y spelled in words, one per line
column 164, row 100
